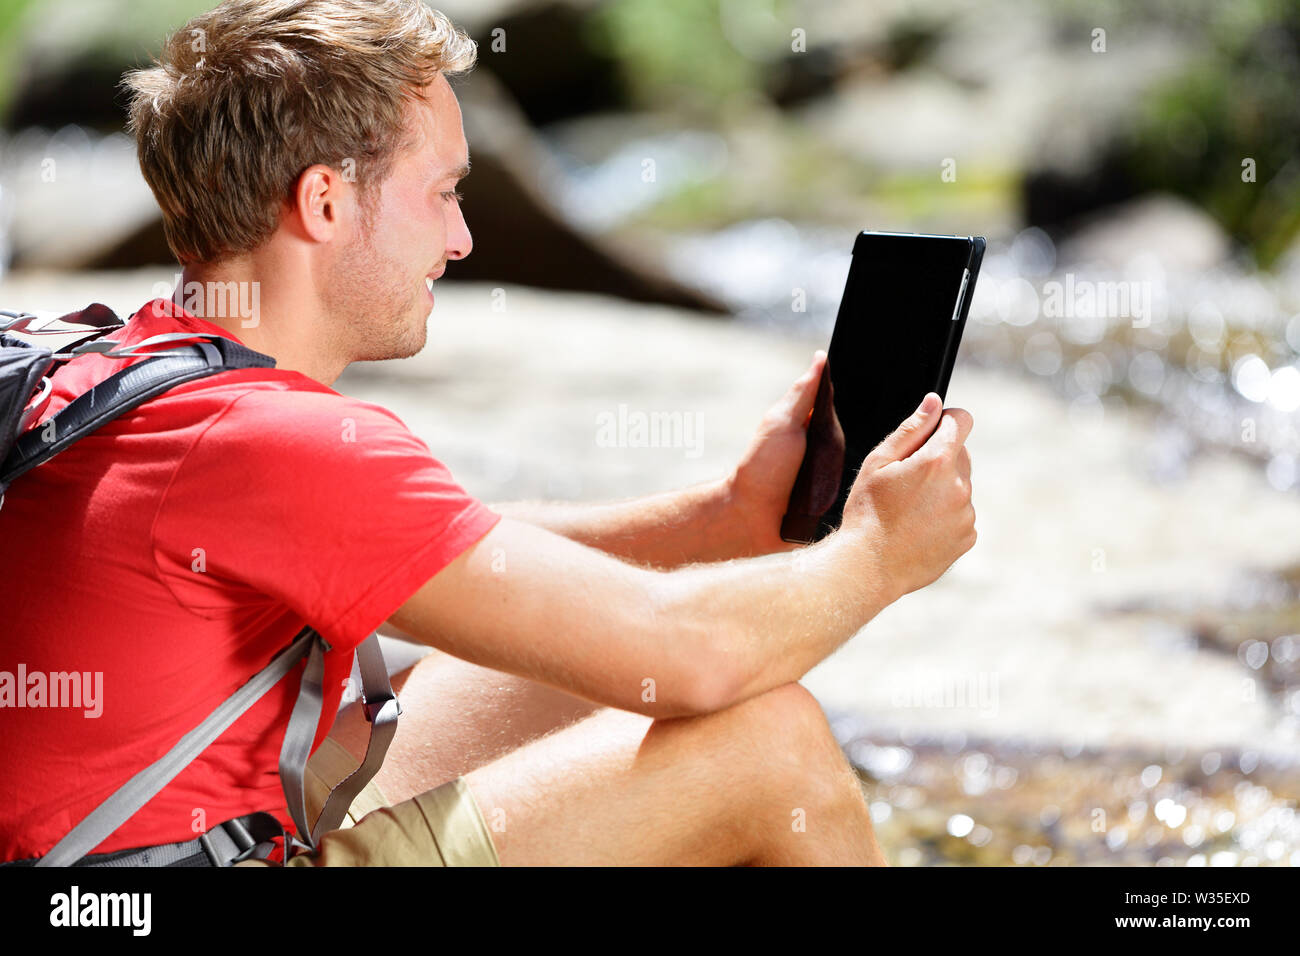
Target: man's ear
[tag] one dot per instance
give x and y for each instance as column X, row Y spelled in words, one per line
column 321, row 202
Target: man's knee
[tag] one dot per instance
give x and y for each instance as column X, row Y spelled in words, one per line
column 789, row 714
column 810, row 763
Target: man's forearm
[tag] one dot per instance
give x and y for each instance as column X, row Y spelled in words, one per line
column 664, row 531
column 754, row 621
column 768, row 620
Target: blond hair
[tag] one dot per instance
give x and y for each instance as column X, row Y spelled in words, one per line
column 246, row 96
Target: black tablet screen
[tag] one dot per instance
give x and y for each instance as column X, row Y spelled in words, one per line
column 895, row 339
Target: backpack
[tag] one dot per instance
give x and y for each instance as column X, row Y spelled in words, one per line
column 32, row 346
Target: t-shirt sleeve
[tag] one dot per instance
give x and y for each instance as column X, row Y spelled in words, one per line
column 320, row 502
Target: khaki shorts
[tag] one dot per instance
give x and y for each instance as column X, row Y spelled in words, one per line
column 440, row 827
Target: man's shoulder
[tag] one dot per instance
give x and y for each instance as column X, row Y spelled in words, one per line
column 259, row 396
column 295, row 402
column 290, row 423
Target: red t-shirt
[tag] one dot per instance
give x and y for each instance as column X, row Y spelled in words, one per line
column 175, row 551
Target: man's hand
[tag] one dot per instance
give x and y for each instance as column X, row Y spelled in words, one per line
column 703, row 637
column 912, row 497
column 760, row 485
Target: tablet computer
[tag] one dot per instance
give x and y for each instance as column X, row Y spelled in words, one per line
column 895, row 339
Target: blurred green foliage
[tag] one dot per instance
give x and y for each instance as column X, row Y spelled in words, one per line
column 40, row 37
column 676, row 52
column 1238, row 102
column 11, row 14
column 712, row 61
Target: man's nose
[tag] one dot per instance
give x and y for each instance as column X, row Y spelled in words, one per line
column 459, row 241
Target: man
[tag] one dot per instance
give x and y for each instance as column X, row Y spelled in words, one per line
column 617, row 683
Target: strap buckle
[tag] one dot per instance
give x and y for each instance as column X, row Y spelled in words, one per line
column 378, row 709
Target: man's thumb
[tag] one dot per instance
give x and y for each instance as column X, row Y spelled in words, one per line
column 911, row 434
column 797, row 404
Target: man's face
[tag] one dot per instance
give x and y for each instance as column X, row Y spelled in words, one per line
column 378, row 288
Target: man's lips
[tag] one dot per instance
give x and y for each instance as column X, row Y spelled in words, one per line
column 431, row 278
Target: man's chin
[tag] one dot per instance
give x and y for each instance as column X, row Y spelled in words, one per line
column 407, row 348
column 414, row 342
column 410, row 343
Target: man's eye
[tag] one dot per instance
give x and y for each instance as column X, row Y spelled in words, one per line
column 453, row 194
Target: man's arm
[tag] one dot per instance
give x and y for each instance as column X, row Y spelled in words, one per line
column 670, row 643
column 734, row 517
column 699, row 523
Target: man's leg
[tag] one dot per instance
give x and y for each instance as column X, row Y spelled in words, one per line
column 763, row 782
column 729, row 780
column 457, row 716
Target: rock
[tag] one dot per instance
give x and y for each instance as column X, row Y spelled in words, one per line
column 550, row 65
column 76, row 199
column 1070, row 526
column 1036, row 682
column 1181, row 235
column 521, row 236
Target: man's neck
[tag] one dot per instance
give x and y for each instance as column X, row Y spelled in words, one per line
column 279, row 318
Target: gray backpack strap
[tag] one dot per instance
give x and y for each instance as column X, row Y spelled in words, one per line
column 380, row 707
column 140, row 789
column 298, row 737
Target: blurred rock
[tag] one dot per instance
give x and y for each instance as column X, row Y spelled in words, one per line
column 1041, row 99
column 1070, row 526
column 800, row 77
column 75, row 196
column 1181, row 235
column 1056, row 199
column 77, row 200
column 544, row 56
column 1046, row 675
column 521, row 235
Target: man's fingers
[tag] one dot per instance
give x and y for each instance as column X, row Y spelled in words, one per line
column 909, row 436
column 951, row 434
column 963, row 463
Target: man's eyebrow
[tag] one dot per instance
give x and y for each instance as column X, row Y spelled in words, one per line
column 459, row 173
